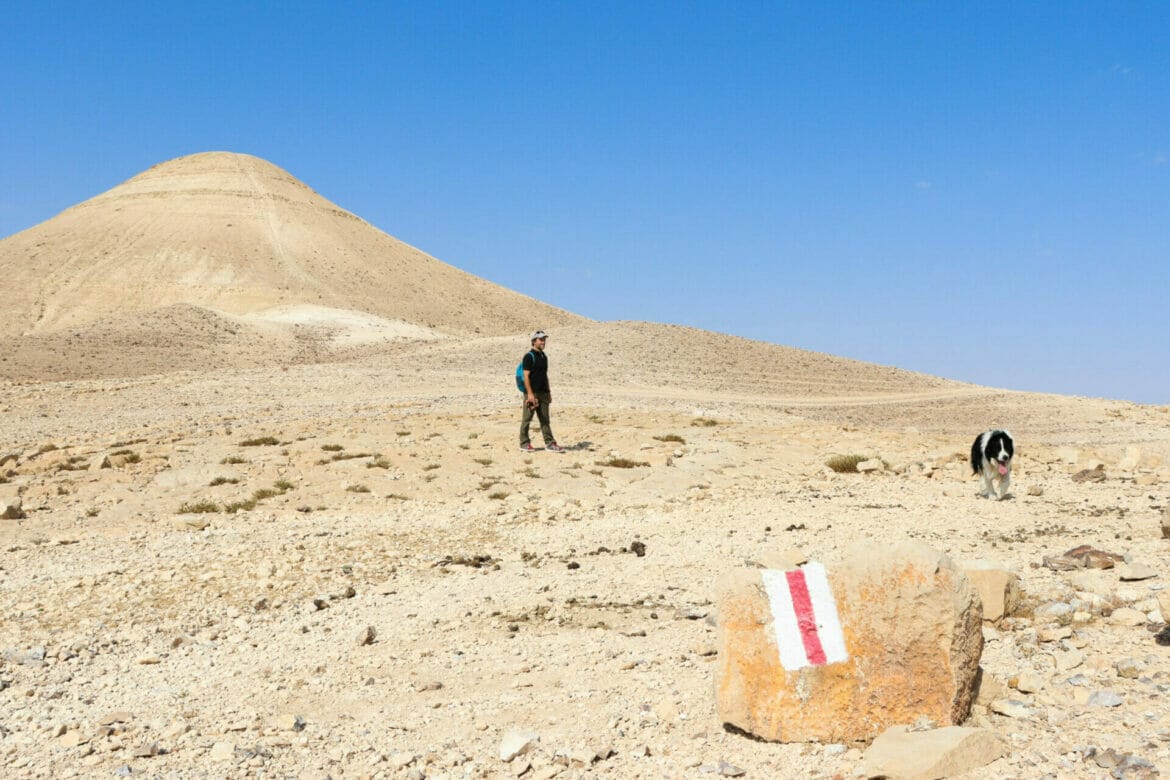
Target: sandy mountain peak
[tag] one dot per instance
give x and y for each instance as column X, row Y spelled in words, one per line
column 237, row 234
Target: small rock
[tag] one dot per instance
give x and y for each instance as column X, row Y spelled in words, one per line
column 1127, row 616
column 1054, row 612
column 1011, row 708
column 517, row 743
column 1129, row 668
column 1132, row 572
column 1030, row 682
column 1090, row 475
column 1068, row 660
column 1092, row 558
column 1053, row 633
column 222, row 751
column 1105, row 698
column 11, row 508
column 999, row 589
column 289, row 722
column 1163, row 599
column 923, row 755
column 366, row 636
column 401, row 760
column 583, row 756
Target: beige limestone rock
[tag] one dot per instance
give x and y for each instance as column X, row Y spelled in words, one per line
column 517, row 743
column 1134, row 572
column 1164, row 605
column 189, row 523
column 911, row 623
column 901, row 754
column 1126, row 617
column 998, row 588
column 11, row 508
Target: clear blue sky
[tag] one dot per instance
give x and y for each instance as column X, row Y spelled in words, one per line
column 979, row 191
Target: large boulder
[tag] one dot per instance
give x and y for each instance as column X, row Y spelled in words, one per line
column 891, row 635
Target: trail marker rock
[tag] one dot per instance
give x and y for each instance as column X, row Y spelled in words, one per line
column 890, row 635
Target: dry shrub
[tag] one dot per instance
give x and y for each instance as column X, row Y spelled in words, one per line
column 200, row 507
column 845, row 464
column 622, row 463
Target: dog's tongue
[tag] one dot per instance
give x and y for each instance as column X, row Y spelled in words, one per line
column 1002, row 469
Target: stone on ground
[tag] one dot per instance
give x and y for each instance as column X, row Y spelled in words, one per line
column 911, row 635
column 998, row 588
column 900, row 754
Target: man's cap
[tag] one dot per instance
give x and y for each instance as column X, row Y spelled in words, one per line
column 540, row 334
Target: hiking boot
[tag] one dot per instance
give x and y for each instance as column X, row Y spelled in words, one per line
column 554, row 447
column 527, row 447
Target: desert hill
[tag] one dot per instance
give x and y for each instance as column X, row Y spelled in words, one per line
column 236, row 234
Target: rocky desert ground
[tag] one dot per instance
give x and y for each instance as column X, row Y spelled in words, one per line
column 266, row 536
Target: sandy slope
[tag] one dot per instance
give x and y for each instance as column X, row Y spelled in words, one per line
column 501, row 585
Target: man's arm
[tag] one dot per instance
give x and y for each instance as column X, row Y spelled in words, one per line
column 529, row 396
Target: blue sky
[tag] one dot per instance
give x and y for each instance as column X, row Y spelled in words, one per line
column 976, row 191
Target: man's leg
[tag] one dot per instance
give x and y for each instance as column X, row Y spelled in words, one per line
column 525, row 421
column 542, row 415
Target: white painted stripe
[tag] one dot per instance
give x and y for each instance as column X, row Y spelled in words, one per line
column 787, row 632
column 825, row 608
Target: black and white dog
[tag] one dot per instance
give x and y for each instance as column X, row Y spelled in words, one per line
column 991, row 459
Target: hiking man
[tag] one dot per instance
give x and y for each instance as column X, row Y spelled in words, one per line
column 537, row 395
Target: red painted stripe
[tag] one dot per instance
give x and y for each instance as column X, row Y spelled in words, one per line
column 802, row 605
